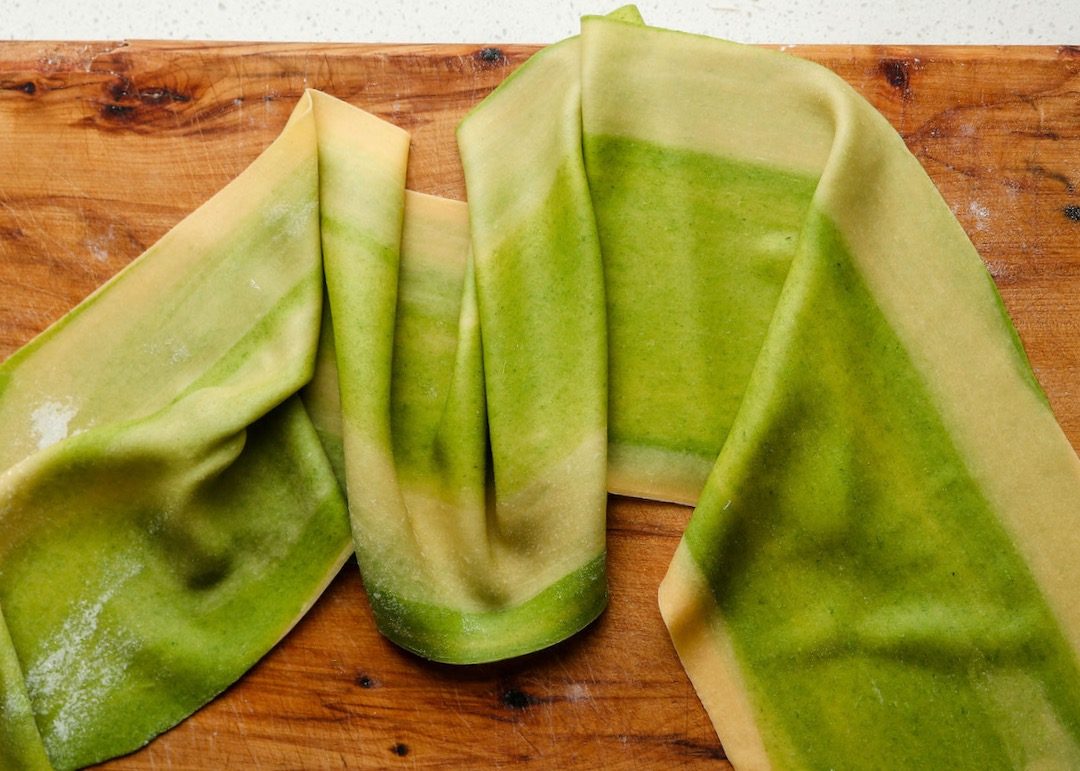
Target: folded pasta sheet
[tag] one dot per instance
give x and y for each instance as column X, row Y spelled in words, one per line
column 690, row 271
column 177, row 445
column 802, row 340
column 880, row 570
column 167, row 511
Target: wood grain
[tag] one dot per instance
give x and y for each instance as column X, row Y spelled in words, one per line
column 104, row 146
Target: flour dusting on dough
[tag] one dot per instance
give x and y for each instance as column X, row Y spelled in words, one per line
column 49, row 422
column 293, row 218
column 83, row 660
column 180, row 353
column 176, row 351
column 15, row 704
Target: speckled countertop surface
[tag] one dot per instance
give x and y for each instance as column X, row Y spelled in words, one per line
column 762, row 21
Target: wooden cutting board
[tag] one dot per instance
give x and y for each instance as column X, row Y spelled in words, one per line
column 104, row 146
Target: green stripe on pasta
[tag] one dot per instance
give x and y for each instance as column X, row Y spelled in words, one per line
column 722, row 235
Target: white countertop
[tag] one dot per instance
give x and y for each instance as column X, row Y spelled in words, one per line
column 1053, row 22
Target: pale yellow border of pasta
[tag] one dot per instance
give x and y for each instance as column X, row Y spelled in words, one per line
column 708, row 656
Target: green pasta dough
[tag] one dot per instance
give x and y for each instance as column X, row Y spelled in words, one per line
column 657, row 288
